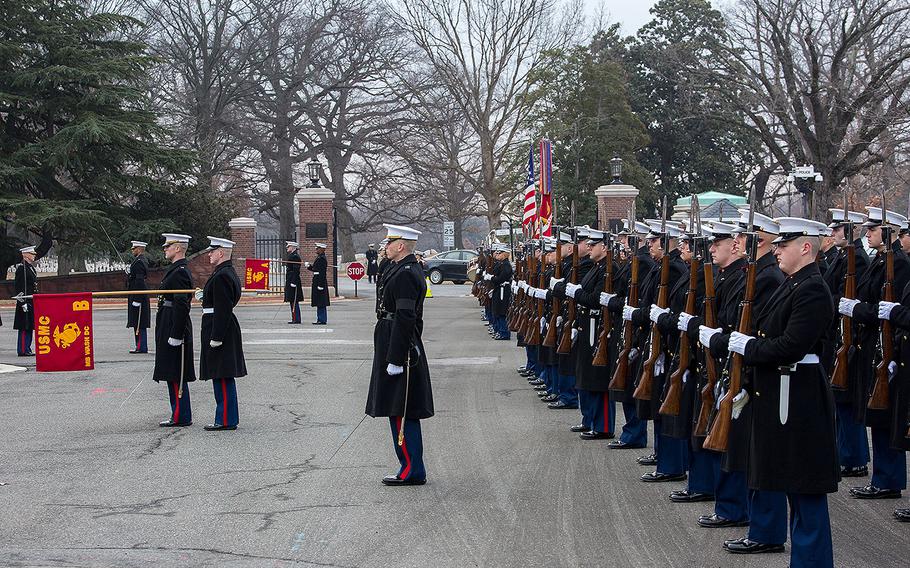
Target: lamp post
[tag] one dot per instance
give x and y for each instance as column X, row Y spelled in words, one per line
column 314, row 172
column 616, row 169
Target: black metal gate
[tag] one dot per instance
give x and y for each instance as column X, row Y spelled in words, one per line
column 273, row 248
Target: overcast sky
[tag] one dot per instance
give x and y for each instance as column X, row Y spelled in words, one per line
column 631, row 14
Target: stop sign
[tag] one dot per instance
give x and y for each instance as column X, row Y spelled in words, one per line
column 356, row 271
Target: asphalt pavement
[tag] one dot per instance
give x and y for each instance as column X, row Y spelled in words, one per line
column 87, row 478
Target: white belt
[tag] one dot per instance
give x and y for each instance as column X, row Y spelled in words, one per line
column 809, row 359
column 208, row 311
column 316, row 273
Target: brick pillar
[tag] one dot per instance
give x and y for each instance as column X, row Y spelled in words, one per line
column 314, row 205
column 243, row 233
column 613, row 204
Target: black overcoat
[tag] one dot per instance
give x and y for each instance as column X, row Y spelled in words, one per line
column 26, row 283
column 173, row 320
column 793, row 447
column 293, row 289
column 588, row 325
column 501, row 284
column 138, row 311
column 372, row 264
column 622, row 286
column 899, row 391
column 319, row 289
column 219, row 296
column 397, row 340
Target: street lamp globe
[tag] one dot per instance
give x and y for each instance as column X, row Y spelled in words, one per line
column 314, row 169
column 616, row 168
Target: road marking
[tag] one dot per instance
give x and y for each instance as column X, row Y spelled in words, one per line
column 303, row 341
column 288, row 330
column 465, row 361
column 11, row 368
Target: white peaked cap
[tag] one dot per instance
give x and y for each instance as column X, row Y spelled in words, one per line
column 794, row 227
column 218, row 242
column 400, row 232
column 138, row 244
column 717, row 229
column 171, row 238
column 292, row 244
column 654, row 230
column 837, row 217
column 759, row 221
column 320, row 245
column 500, row 247
column 25, row 250
column 875, row 217
column 595, row 235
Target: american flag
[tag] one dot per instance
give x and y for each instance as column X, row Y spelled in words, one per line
column 546, row 177
column 530, row 215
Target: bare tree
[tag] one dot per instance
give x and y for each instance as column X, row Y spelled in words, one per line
column 482, row 52
column 823, row 82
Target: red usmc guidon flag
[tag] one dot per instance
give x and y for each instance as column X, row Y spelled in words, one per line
column 257, row 274
column 63, row 326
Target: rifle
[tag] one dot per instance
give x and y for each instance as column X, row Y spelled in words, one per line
column 839, row 375
column 621, row 373
column 534, row 318
column 514, row 306
column 719, row 437
column 880, row 391
column 565, row 340
column 707, row 392
column 603, row 347
column 671, row 403
column 550, row 339
column 646, row 383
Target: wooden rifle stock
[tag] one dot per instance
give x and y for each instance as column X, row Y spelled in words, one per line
column 603, row 347
column 646, row 384
column 719, row 437
column 671, row 403
column 880, row 392
column 839, row 375
column 707, row 393
column 550, row 339
column 565, row 340
column 621, row 373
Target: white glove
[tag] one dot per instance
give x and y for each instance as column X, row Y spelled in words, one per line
column 24, row 307
column 514, row 287
column 571, row 289
column 846, row 306
column 136, row 304
column 523, row 285
column 555, row 281
column 739, row 402
column 214, row 343
column 293, row 285
column 738, row 342
column 628, row 312
column 656, row 312
column 574, row 333
column 543, row 325
column 540, row 294
column 558, row 321
column 683, row 323
column 705, row 334
column 605, row 298
column 198, row 295
column 392, row 369
column 127, row 270
column 306, row 264
column 320, row 288
column 487, row 276
column 174, row 342
column 884, row 309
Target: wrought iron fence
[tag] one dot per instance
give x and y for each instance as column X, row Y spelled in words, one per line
column 273, row 248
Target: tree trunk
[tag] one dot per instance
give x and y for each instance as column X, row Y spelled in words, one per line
column 68, row 260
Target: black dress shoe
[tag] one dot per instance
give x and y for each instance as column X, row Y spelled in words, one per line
column 620, row 445
column 873, row 492
column 211, row 427
column 715, row 521
column 858, row 471
column 394, row 480
column 27, row 354
column 172, row 424
column 592, row 435
column 686, row 496
column 647, row 460
column 540, row 387
column 535, row 382
column 902, row 515
column 746, row 546
column 135, row 351
column 579, row 428
column 550, row 398
column 521, row 369
column 658, row 477
column 560, row 405
column 294, row 323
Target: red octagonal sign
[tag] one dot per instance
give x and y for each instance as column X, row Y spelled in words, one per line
column 356, row 271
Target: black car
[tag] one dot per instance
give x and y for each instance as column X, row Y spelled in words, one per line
column 449, row 265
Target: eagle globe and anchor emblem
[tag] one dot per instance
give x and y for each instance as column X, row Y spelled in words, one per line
column 67, row 336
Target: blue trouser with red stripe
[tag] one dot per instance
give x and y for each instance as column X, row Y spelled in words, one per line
column 410, row 452
column 226, row 411
column 181, row 411
column 24, row 343
column 142, row 340
column 295, row 312
column 598, row 413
